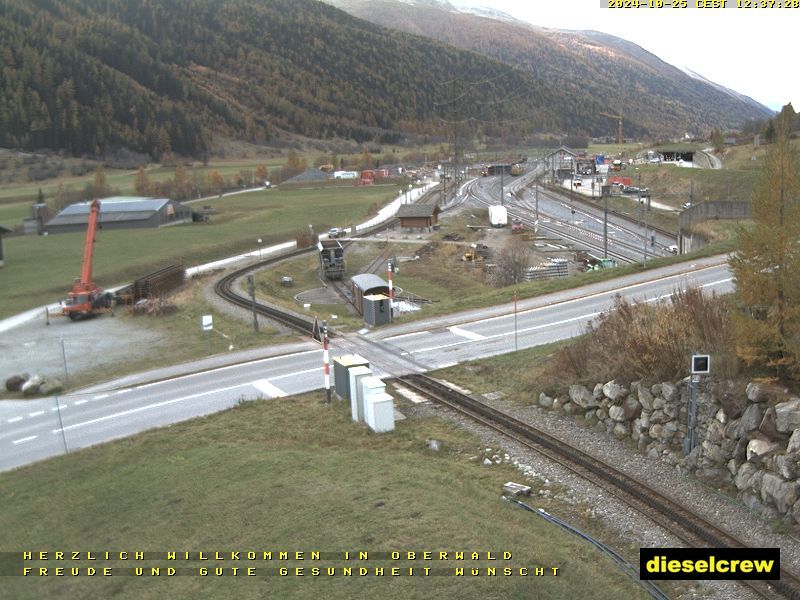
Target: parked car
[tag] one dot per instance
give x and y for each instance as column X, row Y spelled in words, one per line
column 335, row 232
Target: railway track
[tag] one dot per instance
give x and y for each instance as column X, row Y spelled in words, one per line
column 686, row 524
column 225, row 286
column 224, row 289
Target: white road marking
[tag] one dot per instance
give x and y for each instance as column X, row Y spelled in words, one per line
column 149, row 406
column 15, row 419
column 314, row 370
column 36, row 414
column 100, row 397
column 234, row 366
column 23, row 440
column 79, row 402
column 470, row 335
column 265, row 387
column 404, row 335
column 123, row 391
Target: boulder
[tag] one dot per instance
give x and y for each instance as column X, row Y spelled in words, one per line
column 794, row 441
column 642, row 423
column 671, row 410
column 769, row 424
column 756, row 392
column 645, row 396
column 15, row 382
column 787, row 415
column 782, row 494
column 751, row 418
column 658, row 416
column 752, row 500
column 714, row 453
column 631, row 407
column 732, row 467
column 715, row 432
column 757, row 448
column 597, row 392
column 558, row 403
column 616, row 413
column 31, row 387
column 621, row 430
column 788, row 465
column 570, row 409
column 51, row 386
column 614, row 391
column 669, row 391
column 545, row 401
column 721, row 416
column 655, row 431
column 581, row 396
column 658, row 403
column 602, row 414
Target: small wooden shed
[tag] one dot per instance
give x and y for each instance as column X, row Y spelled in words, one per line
column 418, row 215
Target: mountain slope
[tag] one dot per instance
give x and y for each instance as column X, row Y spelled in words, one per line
column 161, row 75
column 652, row 96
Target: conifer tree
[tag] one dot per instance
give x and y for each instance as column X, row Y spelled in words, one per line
column 766, row 267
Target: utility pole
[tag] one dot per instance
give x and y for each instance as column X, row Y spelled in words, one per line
column 251, row 287
column 502, row 172
column 605, row 226
column 644, row 219
column 390, row 275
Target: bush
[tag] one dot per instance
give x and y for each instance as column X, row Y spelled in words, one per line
column 652, row 341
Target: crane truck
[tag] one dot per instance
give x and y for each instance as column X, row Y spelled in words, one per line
column 86, row 299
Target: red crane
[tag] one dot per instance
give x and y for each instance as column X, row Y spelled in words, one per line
column 86, row 297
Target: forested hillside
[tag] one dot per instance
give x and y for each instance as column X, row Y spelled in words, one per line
column 161, row 75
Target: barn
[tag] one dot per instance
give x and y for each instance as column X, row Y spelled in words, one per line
column 122, row 212
column 418, row 215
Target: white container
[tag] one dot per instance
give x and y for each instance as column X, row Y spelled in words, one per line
column 379, row 412
column 356, row 374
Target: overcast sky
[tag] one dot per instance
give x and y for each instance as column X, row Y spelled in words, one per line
column 751, row 51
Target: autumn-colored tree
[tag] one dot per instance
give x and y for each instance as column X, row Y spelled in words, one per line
column 261, row 173
column 182, row 186
column 216, row 182
column 99, row 187
column 766, row 266
column 295, row 164
column 142, row 184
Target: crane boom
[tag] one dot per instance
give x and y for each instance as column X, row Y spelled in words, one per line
column 86, row 299
column 88, row 245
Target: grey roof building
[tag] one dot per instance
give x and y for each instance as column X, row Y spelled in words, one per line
column 122, row 212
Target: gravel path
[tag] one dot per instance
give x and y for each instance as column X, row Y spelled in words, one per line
column 583, row 499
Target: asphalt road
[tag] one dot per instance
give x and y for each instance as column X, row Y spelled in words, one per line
column 33, row 430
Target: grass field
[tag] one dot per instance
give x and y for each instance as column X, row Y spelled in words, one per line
column 40, row 269
column 294, row 475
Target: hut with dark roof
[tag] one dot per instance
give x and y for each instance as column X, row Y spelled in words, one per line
column 418, row 216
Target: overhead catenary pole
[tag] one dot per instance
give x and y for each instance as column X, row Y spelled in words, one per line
column 390, row 276
column 605, row 226
column 326, row 362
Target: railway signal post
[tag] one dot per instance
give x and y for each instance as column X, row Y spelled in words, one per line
column 326, row 363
